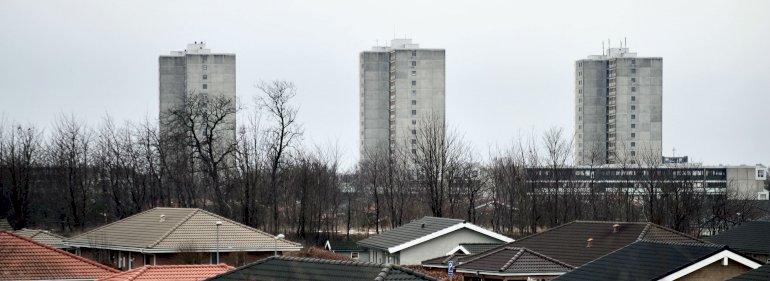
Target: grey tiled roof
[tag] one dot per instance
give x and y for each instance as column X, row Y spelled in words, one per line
column 513, row 260
column 179, row 230
column 293, row 268
column 642, row 261
column 750, row 237
column 408, row 232
column 760, row 274
column 442, row 262
column 568, row 242
column 43, row 236
column 475, row 248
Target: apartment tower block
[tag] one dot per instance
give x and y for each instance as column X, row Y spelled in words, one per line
column 618, row 108
column 401, row 87
column 195, row 71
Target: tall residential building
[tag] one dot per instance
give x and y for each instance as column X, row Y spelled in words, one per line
column 195, row 71
column 618, row 108
column 402, row 86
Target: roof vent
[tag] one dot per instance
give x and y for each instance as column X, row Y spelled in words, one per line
column 589, row 242
column 615, row 228
column 422, row 225
column 162, row 218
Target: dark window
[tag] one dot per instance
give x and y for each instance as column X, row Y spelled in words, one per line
column 633, row 126
column 633, row 107
column 205, row 77
column 414, row 63
column 414, row 53
column 414, row 112
column 633, row 79
column 633, row 153
column 633, row 98
column 414, row 132
column 633, row 116
column 205, row 86
column 633, row 89
column 633, row 144
column 414, row 102
column 633, row 70
column 414, row 83
column 633, row 135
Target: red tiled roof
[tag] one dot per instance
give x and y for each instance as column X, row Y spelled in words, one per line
column 192, row 272
column 23, row 258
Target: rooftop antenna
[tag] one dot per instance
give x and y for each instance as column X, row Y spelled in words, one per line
column 625, row 42
column 602, row 48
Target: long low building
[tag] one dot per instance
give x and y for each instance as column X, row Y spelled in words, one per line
column 744, row 181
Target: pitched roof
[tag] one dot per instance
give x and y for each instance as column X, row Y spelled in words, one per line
column 292, row 268
column 421, row 229
column 568, row 243
column 760, row 274
column 191, row 272
column 22, row 258
column 475, row 248
column 508, row 260
column 647, row 261
column 442, row 262
column 749, row 237
column 168, row 230
column 43, row 236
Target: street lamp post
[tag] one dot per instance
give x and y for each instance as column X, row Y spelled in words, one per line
column 275, row 250
column 219, row 223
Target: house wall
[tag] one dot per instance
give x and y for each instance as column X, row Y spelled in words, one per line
column 717, row 271
column 441, row 245
column 120, row 259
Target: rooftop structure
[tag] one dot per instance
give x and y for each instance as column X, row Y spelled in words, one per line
column 664, row 261
column 43, row 236
column 197, row 272
column 22, row 258
column 426, row 238
column 751, row 238
column 280, row 268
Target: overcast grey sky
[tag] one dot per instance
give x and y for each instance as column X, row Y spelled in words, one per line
column 509, row 63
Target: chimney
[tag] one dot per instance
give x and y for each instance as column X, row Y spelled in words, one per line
column 615, row 228
column 162, row 218
column 588, row 242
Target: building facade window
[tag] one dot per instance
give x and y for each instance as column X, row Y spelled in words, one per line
column 633, row 89
column 414, row 102
column 414, row 72
column 633, row 98
column 414, row 83
column 633, row 107
column 633, row 135
column 414, row 63
column 633, row 116
column 414, row 112
column 205, row 86
column 205, row 67
column 633, row 144
column 205, row 77
column 633, row 126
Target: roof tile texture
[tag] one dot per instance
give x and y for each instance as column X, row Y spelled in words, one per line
column 306, row 269
column 179, row 230
column 408, row 232
column 22, row 258
column 171, row 272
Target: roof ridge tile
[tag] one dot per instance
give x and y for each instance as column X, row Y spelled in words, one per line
column 512, row 260
column 162, row 237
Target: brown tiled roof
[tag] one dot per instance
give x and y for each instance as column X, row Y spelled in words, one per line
column 168, row 230
column 22, row 258
column 43, row 236
column 568, row 243
column 514, row 260
column 191, row 272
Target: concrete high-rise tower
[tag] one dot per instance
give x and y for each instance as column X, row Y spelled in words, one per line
column 195, row 71
column 618, row 108
column 401, row 86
